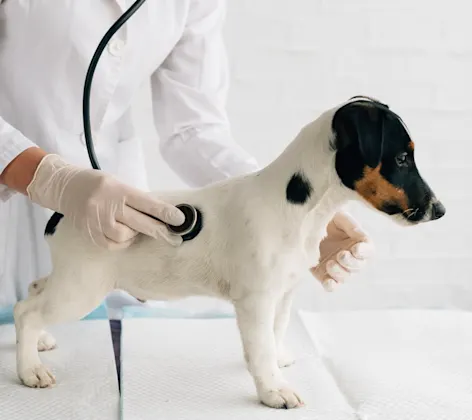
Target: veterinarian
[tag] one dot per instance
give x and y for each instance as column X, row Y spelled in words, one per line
column 45, row 50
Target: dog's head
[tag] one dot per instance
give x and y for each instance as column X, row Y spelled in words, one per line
column 375, row 158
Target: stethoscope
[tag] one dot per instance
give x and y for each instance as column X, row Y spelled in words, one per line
column 192, row 225
column 193, row 218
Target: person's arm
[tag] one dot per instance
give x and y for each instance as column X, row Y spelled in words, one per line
column 19, row 173
column 189, row 102
column 19, row 158
column 105, row 210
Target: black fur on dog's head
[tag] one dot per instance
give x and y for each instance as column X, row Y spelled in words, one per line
column 375, row 158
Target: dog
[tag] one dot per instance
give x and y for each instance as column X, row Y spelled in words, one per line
column 259, row 233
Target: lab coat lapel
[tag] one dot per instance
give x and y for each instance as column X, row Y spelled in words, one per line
column 114, row 59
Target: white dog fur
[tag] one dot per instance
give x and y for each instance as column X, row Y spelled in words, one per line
column 252, row 250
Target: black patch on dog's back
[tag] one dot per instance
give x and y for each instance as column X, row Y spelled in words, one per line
column 298, row 189
column 52, row 224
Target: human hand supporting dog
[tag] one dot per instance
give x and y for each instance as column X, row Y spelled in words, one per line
column 344, row 251
column 106, row 211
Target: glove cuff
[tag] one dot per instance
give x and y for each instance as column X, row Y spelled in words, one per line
column 41, row 189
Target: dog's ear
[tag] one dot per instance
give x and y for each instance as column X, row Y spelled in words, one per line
column 361, row 124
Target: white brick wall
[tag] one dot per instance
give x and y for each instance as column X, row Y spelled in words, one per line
column 291, row 60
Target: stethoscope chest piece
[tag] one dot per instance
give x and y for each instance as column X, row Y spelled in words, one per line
column 191, row 218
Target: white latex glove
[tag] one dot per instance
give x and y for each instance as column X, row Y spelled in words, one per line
column 105, row 210
column 343, row 251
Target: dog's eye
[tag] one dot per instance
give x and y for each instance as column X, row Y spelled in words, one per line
column 401, row 159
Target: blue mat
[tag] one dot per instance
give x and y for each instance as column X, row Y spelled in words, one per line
column 150, row 312
column 6, row 314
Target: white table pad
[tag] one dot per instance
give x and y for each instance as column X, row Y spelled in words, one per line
column 87, row 386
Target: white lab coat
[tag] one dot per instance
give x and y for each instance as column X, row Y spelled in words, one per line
column 45, row 50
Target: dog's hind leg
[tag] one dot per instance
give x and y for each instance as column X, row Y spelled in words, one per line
column 67, row 295
column 282, row 319
column 45, row 341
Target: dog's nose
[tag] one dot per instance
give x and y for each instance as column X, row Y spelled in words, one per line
column 437, row 211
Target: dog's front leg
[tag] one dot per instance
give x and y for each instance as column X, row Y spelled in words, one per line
column 256, row 317
column 282, row 319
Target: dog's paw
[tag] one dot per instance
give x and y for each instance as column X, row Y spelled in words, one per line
column 46, row 341
column 285, row 359
column 37, row 376
column 280, row 398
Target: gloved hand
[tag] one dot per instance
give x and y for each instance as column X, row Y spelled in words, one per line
column 343, row 251
column 105, row 210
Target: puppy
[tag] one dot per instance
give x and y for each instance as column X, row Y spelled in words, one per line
column 259, row 234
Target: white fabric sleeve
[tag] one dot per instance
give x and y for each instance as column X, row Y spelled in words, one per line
column 12, row 143
column 189, row 100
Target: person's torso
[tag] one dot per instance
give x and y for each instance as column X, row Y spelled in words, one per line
column 45, row 50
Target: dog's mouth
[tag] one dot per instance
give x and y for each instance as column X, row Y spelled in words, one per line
column 434, row 210
column 415, row 215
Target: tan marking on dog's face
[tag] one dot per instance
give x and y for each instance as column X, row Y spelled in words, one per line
column 411, row 145
column 374, row 188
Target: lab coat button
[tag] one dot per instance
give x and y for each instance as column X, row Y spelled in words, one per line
column 115, row 47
